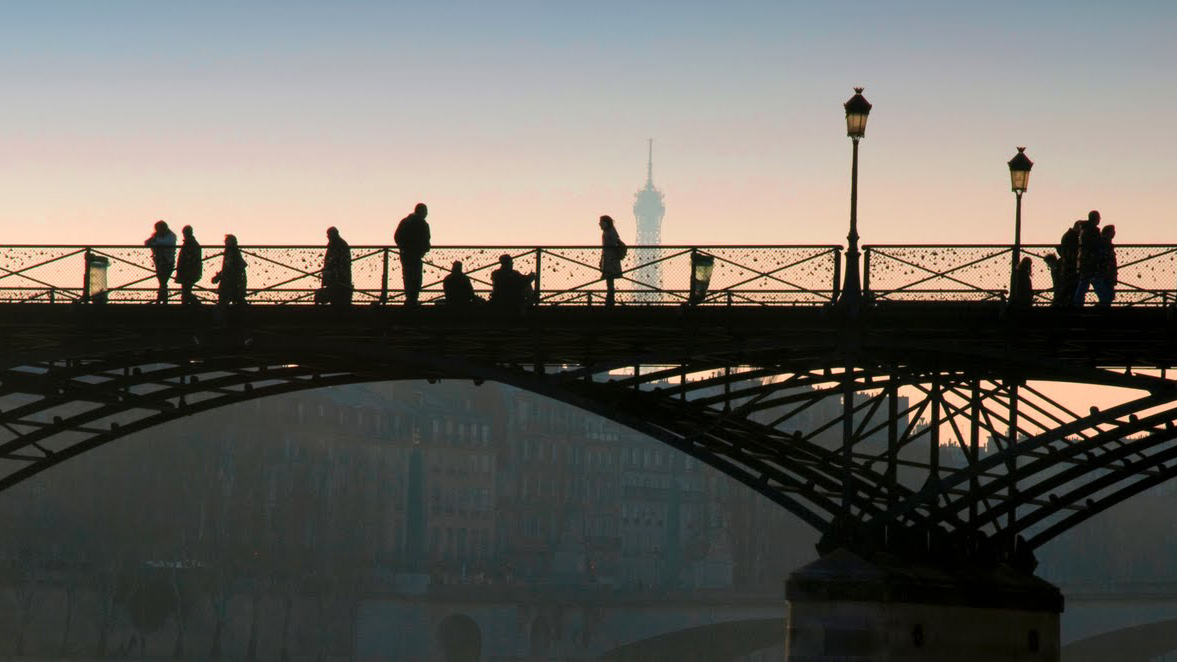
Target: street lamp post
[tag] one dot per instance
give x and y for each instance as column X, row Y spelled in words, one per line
column 1019, row 176
column 857, row 110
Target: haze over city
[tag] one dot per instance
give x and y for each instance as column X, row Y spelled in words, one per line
column 521, row 122
column 517, row 433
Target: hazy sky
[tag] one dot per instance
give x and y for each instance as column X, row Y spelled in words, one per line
column 521, row 122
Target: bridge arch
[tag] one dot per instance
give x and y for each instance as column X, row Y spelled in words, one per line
column 736, row 389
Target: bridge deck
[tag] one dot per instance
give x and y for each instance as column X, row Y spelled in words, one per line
column 1041, row 341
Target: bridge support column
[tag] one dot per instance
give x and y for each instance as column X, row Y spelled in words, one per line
column 845, row 608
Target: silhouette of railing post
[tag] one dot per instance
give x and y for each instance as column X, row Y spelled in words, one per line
column 866, row 273
column 86, row 276
column 837, row 289
column 384, row 279
column 539, row 252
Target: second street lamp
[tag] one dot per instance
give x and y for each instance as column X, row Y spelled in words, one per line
column 1019, row 176
column 857, row 110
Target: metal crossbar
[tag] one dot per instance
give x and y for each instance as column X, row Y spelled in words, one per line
column 571, row 275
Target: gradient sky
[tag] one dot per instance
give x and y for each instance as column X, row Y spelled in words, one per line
column 521, row 122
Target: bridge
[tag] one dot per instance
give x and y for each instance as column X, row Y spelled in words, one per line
column 843, row 410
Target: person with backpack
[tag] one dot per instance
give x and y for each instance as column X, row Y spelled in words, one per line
column 412, row 239
column 189, row 267
column 613, row 250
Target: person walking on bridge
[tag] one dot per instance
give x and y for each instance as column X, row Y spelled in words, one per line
column 412, row 239
column 337, row 284
column 189, row 267
column 612, row 251
column 230, row 280
column 163, row 254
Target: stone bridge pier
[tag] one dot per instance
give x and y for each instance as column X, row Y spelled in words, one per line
column 843, row 607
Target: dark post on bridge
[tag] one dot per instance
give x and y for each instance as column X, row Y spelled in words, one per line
column 1019, row 174
column 857, row 111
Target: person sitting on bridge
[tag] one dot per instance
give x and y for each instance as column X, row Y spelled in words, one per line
column 337, row 284
column 1090, row 254
column 189, row 267
column 163, row 253
column 510, row 290
column 231, row 278
column 412, row 238
column 459, row 291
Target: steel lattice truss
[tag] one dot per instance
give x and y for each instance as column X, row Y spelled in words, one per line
column 920, row 433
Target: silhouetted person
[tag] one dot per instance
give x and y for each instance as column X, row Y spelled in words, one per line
column 412, row 238
column 230, row 280
column 163, row 253
column 1108, row 272
column 337, row 285
column 1090, row 254
column 1068, row 254
column 612, row 250
column 189, row 267
column 1023, row 294
column 510, row 290
column 459, row 291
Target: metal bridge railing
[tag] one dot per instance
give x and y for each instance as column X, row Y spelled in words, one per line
column 566, row 275
column 1147, row 273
